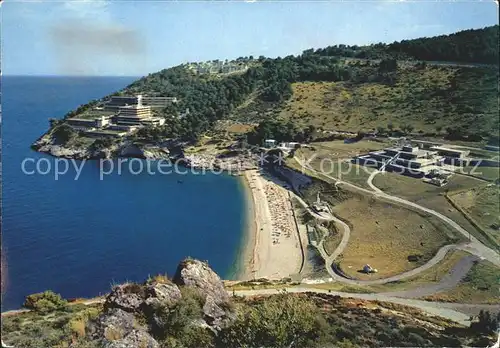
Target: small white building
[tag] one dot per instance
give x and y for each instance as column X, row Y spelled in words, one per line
column 287, row 146
column 269, row 143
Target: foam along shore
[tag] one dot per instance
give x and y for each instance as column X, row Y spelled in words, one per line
column 272, row 246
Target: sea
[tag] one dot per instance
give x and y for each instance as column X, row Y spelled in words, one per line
column 78, row 236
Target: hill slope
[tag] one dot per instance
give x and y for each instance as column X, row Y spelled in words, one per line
column 359, row 94
column 430, row 100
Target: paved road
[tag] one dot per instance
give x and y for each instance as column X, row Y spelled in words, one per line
column 449, row 281
column 474, row 246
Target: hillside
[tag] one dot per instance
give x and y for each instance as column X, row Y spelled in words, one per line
column 321, row 88
column 429, row 99
column 472, row 46
column 193, row 309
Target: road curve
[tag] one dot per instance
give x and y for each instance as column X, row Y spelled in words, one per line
column 474, row 246
column 457, row 273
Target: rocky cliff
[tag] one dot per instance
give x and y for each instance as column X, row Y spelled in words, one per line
column 132, row 312
column 49, row 144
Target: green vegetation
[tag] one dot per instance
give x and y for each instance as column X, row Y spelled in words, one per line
column 482, row 206
column 332, row 240
column 475, row 45
column 45, row 302
column 487, row 323
column 64, row 134
column 284, row 320
column 458, row 102
column 55, row 329
column 279, row 131
column 279, row 321
column 358, row 94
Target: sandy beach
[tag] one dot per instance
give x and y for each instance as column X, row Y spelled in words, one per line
column 272, row 247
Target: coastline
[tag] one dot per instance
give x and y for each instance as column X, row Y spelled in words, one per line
column 271, row 246
column 246, row 259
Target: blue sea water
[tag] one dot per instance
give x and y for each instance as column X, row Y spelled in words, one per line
column 77, row 237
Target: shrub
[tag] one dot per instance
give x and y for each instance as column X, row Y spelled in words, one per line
column 177, row 323
column 45, row 302
column 275, row 322
column 64, row 133
column 76, row 325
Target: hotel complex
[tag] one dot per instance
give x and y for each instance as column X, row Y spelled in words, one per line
column 432, row 162
column 122, row 115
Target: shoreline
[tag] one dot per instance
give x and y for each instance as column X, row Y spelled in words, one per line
column 246, row 259
column 271, row 247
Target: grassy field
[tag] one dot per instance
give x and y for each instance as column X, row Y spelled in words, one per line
column 415, row 189
column 332, row 158
column 428, row 277
column 481, row 285
column 431, row 196
column 428, row 99
column 482, row 205
column 339, row 149
column 332, row 240
column 488, row 173
column 384, row 235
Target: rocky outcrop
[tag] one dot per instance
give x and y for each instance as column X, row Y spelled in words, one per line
column 167, row 294
column 116, row 328
column 134, row 339
column 198, row 275
column 128, row 297
column 112, row 324
column 65, row 152
column 151, row 303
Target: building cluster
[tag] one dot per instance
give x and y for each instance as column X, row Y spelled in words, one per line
column 121, row 115
column 418, row 159
column 217, row 67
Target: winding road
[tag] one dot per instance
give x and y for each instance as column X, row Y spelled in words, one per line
column 456, row 274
